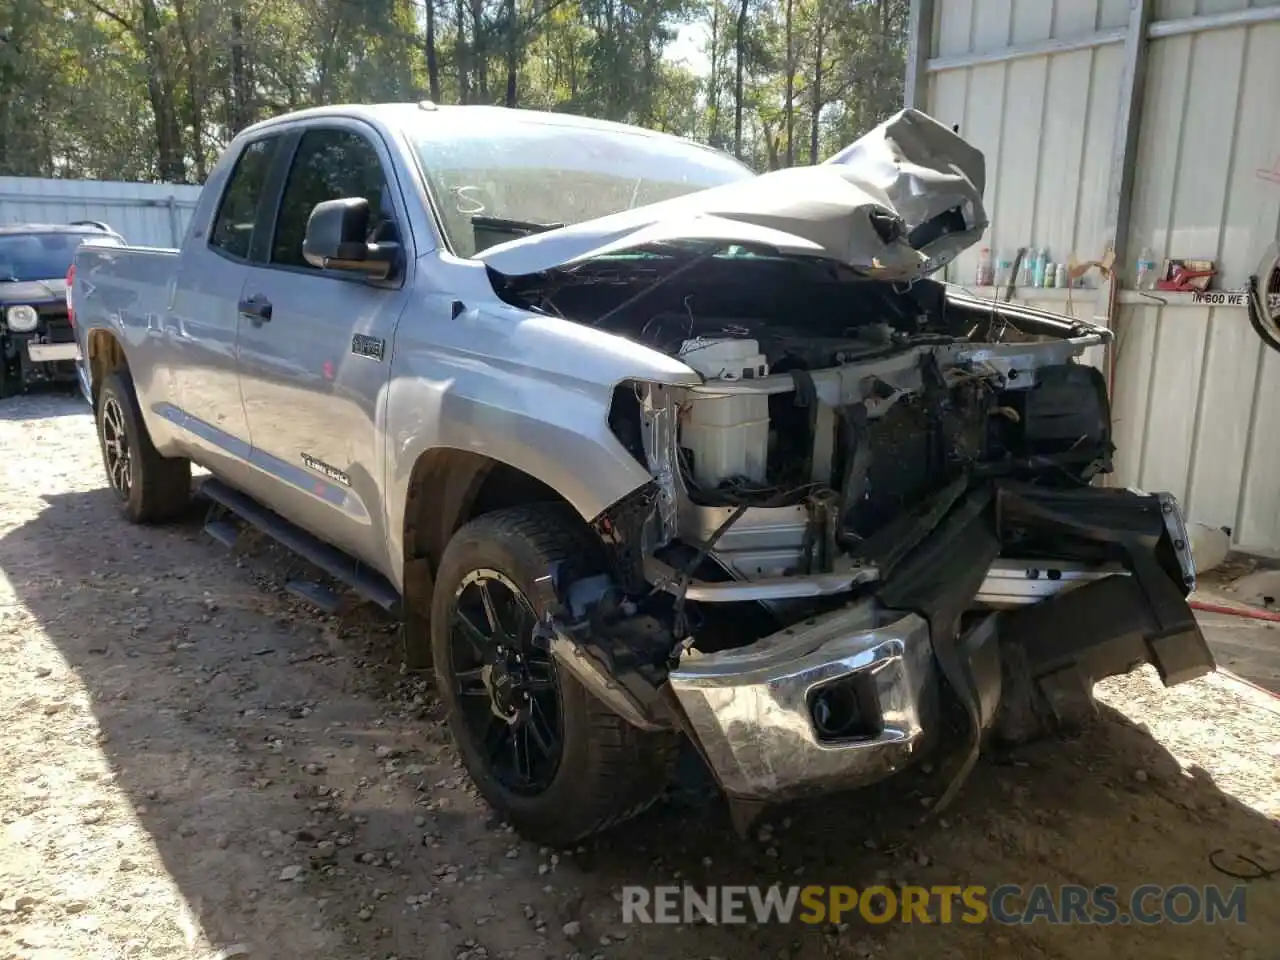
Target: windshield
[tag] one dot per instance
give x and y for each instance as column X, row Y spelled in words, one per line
column 530, row 173
column 42, row 256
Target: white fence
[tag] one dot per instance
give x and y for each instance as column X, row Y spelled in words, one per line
column 1144, row 124
column 146, row 214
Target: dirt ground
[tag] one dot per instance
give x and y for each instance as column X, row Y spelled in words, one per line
column 194, row 764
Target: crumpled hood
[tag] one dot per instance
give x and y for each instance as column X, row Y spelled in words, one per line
column 898, row 203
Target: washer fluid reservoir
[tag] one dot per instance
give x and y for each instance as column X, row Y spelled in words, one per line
column 728, row 436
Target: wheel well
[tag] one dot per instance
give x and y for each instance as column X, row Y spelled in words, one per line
column 447, row 489
column 105, row 355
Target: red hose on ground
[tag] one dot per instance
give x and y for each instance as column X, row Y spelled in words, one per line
column 1250, row 613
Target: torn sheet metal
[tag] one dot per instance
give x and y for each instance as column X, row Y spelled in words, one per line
column 899, row 203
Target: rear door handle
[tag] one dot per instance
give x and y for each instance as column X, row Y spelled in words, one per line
column 257, row 308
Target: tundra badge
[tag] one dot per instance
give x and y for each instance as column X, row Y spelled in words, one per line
column 330, row 471
column 365, row 346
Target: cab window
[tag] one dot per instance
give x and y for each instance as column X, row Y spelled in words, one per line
column 331, row 164
column 232, row 232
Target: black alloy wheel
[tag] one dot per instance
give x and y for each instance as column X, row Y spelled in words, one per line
column 546, row 754
column 116, row 454
column 149, row 487
column 508, row 690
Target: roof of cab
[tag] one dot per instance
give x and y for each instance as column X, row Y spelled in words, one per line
column 399, row 115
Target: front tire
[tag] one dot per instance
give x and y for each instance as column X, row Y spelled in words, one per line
column 150, row 488
column 542, row 751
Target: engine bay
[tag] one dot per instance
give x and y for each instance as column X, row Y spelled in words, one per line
column 776, row 431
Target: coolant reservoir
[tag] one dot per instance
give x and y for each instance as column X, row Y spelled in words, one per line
column 728, row 436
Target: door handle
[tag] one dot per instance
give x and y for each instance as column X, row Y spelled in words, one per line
column 257, row 308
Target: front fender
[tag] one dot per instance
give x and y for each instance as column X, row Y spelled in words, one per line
column 569, row 448
column 537, row 399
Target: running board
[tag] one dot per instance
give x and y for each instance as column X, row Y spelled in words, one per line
column 219, row 527
column 317, row 594
column 369, row 584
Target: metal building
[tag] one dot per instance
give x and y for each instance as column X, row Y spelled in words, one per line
column 1136, row 125
column 146, row 214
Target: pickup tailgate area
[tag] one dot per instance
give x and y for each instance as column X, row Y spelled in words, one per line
column 125, row 294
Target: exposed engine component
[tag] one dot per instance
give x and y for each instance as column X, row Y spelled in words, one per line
column 726, row 438
column 831, row 458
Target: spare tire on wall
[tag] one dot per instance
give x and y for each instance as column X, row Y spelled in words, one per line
column 1264, row 298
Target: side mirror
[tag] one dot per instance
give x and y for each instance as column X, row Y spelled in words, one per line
column 335, row 239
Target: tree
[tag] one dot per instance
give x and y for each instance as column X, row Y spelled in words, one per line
column 740, row 59
column 790, row 68
column 153, row 89
column 433, row 57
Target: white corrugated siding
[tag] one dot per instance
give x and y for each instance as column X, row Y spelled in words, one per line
column 146, row 214
column 1046, row 124
column 1194, row 387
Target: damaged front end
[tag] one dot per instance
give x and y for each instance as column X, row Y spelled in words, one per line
column 875, row 514
column 945, row 556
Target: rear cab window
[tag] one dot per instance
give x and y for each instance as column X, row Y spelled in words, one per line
column 232, row 233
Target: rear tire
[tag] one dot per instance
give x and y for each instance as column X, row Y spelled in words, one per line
column 605, row 771
column 150, row 488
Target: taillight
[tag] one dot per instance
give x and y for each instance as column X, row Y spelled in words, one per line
column 71, row 277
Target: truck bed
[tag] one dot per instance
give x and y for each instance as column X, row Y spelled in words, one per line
column 124, row 290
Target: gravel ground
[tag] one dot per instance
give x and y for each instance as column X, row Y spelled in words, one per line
column 196, row 765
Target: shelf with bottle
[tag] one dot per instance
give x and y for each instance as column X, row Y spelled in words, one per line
column 1035, row 271
column 1213, row 299
column 1209, row 300
column 1054, row 294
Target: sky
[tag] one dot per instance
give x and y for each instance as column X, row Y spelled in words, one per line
column 687, row 48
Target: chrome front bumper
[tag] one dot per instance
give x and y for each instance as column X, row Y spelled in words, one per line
column 756, row 711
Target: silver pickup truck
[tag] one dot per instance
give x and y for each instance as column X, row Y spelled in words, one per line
column 645, row 449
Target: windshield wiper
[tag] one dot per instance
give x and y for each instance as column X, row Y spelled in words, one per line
column 519, row 228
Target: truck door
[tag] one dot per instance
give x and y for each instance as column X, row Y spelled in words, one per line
column 314, row 348
column 201, row 326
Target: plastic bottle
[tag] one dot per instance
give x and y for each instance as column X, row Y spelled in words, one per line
column 986, row 274
column 1026, row 273
column 1146, row 270
column 1062, row 278
column 1041, row 263
column 1050, row 275
column 1004, row 267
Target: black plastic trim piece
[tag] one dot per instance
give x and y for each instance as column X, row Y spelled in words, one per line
column 368, row 583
